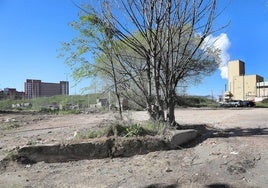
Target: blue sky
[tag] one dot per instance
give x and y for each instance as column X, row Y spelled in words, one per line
column 31, row 32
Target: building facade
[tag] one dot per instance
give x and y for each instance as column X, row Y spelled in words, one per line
column 37, row 88
column 11, row 93
column 244, row 87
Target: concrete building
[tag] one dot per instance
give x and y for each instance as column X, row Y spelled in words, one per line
column 242, row 86
column 11, row 93
column 37, row 88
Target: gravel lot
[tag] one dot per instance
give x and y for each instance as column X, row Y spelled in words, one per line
column 234, row 156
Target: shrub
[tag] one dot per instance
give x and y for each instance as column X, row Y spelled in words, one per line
column 116, row 129
column 135, row 130
column 265, row 100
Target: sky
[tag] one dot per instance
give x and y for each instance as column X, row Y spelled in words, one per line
column 31, row 32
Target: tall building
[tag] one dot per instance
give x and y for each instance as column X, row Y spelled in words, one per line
column 32, row 88
column 37, row 88
column 245, row 87
column 235, row 69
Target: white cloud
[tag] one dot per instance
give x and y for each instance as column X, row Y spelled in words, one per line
column 222, row 43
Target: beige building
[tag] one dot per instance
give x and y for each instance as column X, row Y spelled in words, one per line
column 244, row 87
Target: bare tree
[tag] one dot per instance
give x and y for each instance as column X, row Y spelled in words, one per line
column 164, row 41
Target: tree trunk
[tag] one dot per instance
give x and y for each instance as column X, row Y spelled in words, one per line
column 171, row 103
column 119, row 105
column 171, row 114
column 116, row 87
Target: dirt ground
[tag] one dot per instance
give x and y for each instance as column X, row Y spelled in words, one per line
column 234, row 156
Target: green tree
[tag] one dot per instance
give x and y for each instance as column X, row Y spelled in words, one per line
column 95, row 37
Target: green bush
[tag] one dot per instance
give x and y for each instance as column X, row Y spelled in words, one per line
column 265, row 101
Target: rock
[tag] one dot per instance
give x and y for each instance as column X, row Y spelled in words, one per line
column 176, row 138
column 235, row 169
column 234, row 153
column 168, row 170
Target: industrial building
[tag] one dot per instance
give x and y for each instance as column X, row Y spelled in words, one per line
column 37, row 88
column 242, row 86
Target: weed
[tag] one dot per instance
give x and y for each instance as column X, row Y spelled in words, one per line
column 115, row 129
column 12, row 155
column 119, row 128
column 90, row 134
column 155, row 127
column 31, row 142
column 67, row 112
column 9, row 125
column 134, row 130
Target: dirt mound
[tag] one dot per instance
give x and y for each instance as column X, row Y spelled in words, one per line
column 103, row 148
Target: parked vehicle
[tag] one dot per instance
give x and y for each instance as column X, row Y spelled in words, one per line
column 237, row 103
column 249, row 103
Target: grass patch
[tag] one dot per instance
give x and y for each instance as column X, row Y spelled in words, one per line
column 262, row 104
column 124, row 129
column 11, row 155
column 90, row 134
column 9, row 125
column 156, row 128
column 38, row 103
column 67, row 112
column 135, row 130
column 195, row 101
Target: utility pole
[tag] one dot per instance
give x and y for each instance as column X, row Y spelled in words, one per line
column 212, row 97
column 243, row 87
